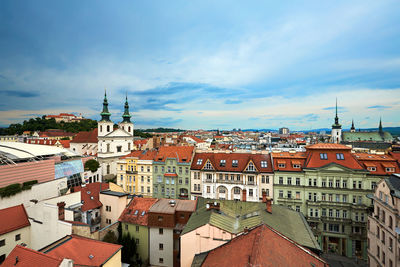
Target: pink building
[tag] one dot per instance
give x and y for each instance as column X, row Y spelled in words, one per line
column 383, row 224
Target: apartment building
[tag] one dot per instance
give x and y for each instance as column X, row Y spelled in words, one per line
column 329, row 186
column 171, row 172
column 383, row 224
column 166, row 220
column 229, row 175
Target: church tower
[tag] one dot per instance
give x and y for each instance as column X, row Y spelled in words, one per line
column 105, row 125
column 336, row 135
column 352, row 129
column 126, row 123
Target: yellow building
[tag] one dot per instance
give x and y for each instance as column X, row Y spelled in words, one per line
column 135, row 173
column 8, row 138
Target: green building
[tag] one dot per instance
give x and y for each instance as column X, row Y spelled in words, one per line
column 329, row 186
column 171, row 172
column 134, row 220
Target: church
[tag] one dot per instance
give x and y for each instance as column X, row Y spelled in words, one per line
column 362, row 139
column 113, row 142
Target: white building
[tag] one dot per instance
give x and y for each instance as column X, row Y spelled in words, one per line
column 113, row 143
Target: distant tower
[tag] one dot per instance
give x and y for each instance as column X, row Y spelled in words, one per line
column 105, row 125
column 126, row 123
column 352, row 129
column 336, row 135
column 380, row 126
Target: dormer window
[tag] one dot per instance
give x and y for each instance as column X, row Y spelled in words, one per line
column 222, row 163
column 199, row 161
column 389, row 169
column 296, row 166
column 264, row 164
column 208, row 166
column 339, row 156
column 281, row 165
column 372, row 169
column 323, row 156
column 251, row 167
column 235, row 163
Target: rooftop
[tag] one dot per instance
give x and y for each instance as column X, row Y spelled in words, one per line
column 261, row 246
column 13, row 218
column 90, row 195
column 163, row 205
column 137, row 211
column 83, row 251
column 30, row 258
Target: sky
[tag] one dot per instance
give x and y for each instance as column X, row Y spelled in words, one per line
column 203, row 64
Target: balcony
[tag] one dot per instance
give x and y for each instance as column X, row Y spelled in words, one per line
column 251, row 183
column 229, row 181
column 208, row 180
column 131, row 172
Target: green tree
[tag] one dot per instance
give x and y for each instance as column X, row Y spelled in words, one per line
column 92, row 165
column 110, row 237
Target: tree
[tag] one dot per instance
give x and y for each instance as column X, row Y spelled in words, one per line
column 92, row 165
column 110, row 237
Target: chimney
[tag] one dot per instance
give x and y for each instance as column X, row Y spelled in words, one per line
column 264, row 196
column 244, row 195
column 268, row 205
column 61, row 210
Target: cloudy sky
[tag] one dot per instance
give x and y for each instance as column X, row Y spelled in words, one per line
column 203, row 64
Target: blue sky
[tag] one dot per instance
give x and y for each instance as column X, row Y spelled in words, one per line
column 203, row 64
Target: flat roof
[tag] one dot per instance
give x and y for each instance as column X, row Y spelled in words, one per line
column 16, row 150
column 113, row 193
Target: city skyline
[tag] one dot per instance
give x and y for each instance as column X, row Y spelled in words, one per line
column 203, row 64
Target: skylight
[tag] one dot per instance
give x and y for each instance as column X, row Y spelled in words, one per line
column 199, row 161
column 136, row 212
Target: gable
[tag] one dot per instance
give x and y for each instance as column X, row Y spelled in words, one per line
column 334, row 167
column 119, row 133
column 251, row 167
column 208, row 165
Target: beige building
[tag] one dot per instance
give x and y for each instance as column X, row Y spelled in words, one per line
column 114, row 204
column 14, row 229
column 383, row 224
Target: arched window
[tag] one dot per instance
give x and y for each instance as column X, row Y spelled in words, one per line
column 108, row 147
column 101, row 128
column 108, row 128
column 390, row 222
column 108, row 169
column 129, row 129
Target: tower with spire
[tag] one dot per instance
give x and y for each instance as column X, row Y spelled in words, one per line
column 352, row 129
column 105, row 125
column 336, row 135
column 126, row 123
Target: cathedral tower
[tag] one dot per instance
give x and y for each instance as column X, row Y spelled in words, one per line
column 336, row 135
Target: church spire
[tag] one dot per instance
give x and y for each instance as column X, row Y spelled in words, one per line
column 336, row 124
column 105, row 114
column 380, row 125
column 126, row 117
column 352, row 129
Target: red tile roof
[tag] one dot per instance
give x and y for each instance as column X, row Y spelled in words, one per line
column 86, row 137
column 90, row 195
column 182, row 153
column 331, row 150
column 242, row 158
column 42, row 142
column 289, row 160
column 133, row 154
column 13, row 218
column 30, row 258
column 83, row 251
column 65, row 143
column 379, row 162
column 262, row 246
column 141, row 142
column 55, row 134
column 140, row 205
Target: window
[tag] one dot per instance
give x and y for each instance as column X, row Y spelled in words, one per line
column 339, row 156
column 344, row 183
column 289, row 180
column 330, row 213
column 297, row 181
column 389, row 169
column 289, row 194
column 297, row 195
column 160, row 231
column 323, row 183
column 199, row 161
column 337, row 183
column 323, row 213
column 390, row 222
column 108, row 208
column 280, row 180
column 161, row 246
column 234, row 163
column 311, row 213
column 344, row 198
column 344, row 214
column 160, row 218
column 236, row 190
column 298, row 208
column 264, row 164
column 17, row 237
column 337, row 213
column 250, row 192
column 2, row 242
column 251, row 167
column 323, row 197
column 390, row 244
column 359, row 185
column 323, row 155
column 281, row 165
column 296, row 166
column 330, row 183
column 315, row 182
column 281, row 193
column 309, row 182
column 208, row 166
column 161, row 260
column 337, row 198
column 372, row 169
column 137, row 228
column 378, row 250
column 222, row 163
column 208, row 189
column 119, row 148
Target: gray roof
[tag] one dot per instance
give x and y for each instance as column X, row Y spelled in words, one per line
column 394, row 184
column 235, row 216
column 163, row 206
column 113, row 193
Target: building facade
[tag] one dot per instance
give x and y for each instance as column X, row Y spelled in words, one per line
column 383, row 223
column 171, row 172
column 113, row 143
column 228, row 175
column 329, row 186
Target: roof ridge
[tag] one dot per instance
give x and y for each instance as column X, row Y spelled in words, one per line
column 38, row 252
